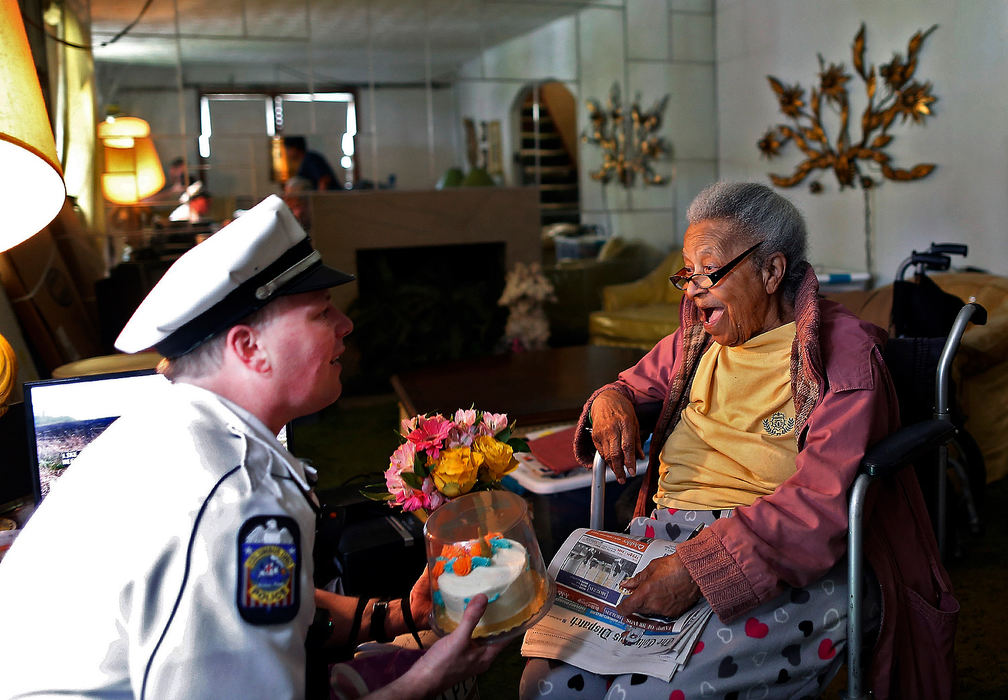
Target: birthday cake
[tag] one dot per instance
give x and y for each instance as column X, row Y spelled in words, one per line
column 495, row 566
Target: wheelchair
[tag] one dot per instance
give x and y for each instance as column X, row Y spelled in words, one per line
column 923, row 316
column 904, row 447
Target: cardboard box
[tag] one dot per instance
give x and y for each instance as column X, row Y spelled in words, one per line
column 47, row 304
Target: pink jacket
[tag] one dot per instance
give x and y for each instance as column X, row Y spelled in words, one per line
column 844, row 402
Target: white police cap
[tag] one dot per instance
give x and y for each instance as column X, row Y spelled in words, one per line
column 259, row 256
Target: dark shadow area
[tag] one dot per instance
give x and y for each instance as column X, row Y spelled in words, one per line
column 422, row 305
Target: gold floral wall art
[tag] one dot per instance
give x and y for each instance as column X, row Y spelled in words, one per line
column 893, row 94
column 628, row 139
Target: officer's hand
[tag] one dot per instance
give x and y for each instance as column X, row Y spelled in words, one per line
column 451, row 660
column 616, row 433
column 420, row 601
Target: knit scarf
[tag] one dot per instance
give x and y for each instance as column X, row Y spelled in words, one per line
column 807, row 385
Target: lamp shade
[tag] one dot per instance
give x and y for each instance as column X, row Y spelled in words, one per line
column 119, row 132
column 133, row 173
column 31, row 182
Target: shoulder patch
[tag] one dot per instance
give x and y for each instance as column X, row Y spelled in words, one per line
column 269, row 569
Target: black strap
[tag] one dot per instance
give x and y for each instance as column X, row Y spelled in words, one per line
column 407, row 615
column 378, row 614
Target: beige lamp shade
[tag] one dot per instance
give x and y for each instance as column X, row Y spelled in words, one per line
column 133, row 173
column 31, row 181
column 120, row 132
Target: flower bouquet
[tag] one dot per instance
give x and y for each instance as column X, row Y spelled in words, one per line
column 442, row 458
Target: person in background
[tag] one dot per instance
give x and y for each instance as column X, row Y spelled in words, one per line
column 177, row 181
column 761, row 407
column 310, row 165
column 174, row 559
column 296, row 196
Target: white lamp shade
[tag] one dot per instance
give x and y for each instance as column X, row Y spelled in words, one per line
column 31, row 182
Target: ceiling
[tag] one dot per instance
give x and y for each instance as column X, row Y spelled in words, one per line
column 326, row 40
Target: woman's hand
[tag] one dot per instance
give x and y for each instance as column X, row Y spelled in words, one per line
column 664, row 587
column 616, row 433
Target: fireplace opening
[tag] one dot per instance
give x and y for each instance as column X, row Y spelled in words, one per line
column 424, row 305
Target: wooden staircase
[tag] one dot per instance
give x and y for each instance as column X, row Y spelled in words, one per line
column 545, row 162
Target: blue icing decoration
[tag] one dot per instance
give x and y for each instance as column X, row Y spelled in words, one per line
column 449, row 566
column 490, row 600
column 437, row 599
column 481, row 561
column 500, row 543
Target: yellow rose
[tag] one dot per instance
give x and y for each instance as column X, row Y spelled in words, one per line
column 498, row 457
column 455, row 471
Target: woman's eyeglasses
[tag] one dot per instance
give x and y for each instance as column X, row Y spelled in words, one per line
column 681, row 280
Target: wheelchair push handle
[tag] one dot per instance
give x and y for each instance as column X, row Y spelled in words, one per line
column 948, row 248
column 970, row 312
column 935, row 258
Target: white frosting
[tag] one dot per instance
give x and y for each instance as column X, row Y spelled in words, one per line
column 504, row 582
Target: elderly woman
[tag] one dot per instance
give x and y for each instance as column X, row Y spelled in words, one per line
column 763, row 403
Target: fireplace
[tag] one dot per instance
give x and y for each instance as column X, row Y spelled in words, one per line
column 423, row 305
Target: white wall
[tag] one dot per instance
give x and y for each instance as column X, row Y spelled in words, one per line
column 965, row 199
column 395, row 136
column 651, row 47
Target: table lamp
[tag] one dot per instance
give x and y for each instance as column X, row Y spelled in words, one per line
column 132, row 168
column 31, row 181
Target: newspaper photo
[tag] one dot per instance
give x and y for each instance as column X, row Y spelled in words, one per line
column 583, row 627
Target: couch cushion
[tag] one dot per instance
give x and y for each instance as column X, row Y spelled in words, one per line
column 642, row 325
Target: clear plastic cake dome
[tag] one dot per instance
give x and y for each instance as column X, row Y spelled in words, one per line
column 483, row 542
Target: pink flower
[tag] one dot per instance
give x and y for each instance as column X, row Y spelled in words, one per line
column 435, row 498
column 464, row 431
column 465, row 418
column 403, row 457
column 492, row 424
column 430, row 434
column 397, row 488
column 408, row 425
column 414, row 502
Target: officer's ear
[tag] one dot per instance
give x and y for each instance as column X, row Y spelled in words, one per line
column 245, row 345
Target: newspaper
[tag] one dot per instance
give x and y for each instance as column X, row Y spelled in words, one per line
column 583, row 627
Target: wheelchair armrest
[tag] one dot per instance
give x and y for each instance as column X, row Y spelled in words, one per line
column 892, row 453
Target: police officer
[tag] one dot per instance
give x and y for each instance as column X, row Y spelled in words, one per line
column 174, row 558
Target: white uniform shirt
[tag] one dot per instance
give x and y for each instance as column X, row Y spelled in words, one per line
column 172, row 560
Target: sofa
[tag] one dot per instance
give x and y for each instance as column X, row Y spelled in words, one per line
column 981, row 369
column 639, row 313
column 578, row 285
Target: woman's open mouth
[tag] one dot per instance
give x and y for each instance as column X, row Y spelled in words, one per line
column 711, row 315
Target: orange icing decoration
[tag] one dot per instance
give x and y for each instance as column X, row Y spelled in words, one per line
column 462, row 566
column 451, row 551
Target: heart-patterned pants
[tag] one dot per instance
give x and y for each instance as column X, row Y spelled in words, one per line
column 790, row 647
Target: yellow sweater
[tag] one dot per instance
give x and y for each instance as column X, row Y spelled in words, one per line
column 735, row 441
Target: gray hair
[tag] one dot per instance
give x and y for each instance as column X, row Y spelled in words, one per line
column 208, row 356
column 762, row 215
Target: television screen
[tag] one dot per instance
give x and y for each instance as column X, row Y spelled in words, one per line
column 64, row 415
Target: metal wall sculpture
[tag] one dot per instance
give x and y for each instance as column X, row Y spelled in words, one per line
column 629, row 144
column 898, row 96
